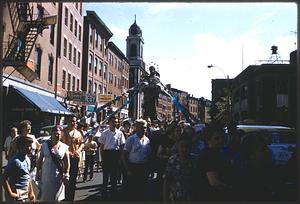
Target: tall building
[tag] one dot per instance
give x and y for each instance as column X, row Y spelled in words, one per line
column 69, row 49
column 134, row 54
column 118, row 76
column 105, row 67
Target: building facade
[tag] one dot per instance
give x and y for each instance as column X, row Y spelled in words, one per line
column 70, row 39
column 105, row 67
column 266, row 94
column 164, row 108
column 31, row 61
column 193, row 106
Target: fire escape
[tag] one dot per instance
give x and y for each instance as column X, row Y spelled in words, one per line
column 26, row 28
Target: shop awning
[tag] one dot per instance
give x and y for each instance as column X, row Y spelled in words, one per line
column 44, row 103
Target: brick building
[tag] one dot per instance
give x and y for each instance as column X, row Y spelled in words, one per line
column 266, row 93
column 34, row 61
column 105, row 67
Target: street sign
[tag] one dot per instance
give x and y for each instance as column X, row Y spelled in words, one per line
column 81, row 97
column 89, row 98
column 75, row 96
column 104, row 98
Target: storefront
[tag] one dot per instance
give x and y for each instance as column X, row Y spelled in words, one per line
column 28, row 102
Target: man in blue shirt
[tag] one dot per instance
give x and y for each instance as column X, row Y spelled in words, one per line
column 16, row 178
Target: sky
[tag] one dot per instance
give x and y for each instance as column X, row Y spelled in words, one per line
column 182, row 39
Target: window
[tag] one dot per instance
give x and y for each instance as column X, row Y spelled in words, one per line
column 95, row 88
column 74, row 55
column 73, row 83
column 78, row 84
column 96, row 65
column 76, row 6
column 110, row 78
column 38, row 61
column 133, row 50
column 91, row 34
column 80, row 8
column 109, row 58
column 78, row 59
column 50, row 69
column 69, row 82
column 70, row 51
column 63, row 82
column 115, row 81
column 71, row 22
column 66, row 16
column 100, row 88
column 89, row 86
column 104, row 90
column 52, row 33
column 65, row 47
column 79, row 32
column 122, row 81
column 119, row 83
column 282, row 100
column 75, row 28
column 100, row 41
column 90, row 62
column 100, row 68
column 104, row 71
column 96, row 40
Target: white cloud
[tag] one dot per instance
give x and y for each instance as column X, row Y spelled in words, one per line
column 118, row 32
column 191, row 73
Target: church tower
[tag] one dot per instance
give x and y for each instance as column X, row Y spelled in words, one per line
column 134, row 54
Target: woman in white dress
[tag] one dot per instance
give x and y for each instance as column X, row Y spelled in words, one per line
column 53, row 166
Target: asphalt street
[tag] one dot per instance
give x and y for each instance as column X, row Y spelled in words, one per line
column 91, row 190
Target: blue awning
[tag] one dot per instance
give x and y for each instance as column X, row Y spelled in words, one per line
column 44, row 103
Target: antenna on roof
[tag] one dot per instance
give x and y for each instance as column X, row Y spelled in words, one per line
column 135, row 18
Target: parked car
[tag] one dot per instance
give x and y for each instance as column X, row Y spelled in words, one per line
column 45, row 133
column 281, row 140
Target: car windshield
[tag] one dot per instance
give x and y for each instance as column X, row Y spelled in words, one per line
column 275, row 137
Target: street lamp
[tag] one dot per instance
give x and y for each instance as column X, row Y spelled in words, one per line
column 228, row 108
column 211, row 66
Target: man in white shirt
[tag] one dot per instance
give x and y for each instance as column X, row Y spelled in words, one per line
column 136, row 157
column 111, row 142
column 9, row 139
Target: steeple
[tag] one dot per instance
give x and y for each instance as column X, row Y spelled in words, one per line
column 135, row 29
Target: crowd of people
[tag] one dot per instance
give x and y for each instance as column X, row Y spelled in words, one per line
column 188, row 164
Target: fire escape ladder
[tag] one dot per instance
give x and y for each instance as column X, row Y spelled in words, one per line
column 30, row 39
column 26, row 30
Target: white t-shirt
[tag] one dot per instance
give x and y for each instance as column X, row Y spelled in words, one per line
column 7, row 142
column 139, row 150
column 112, row 140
